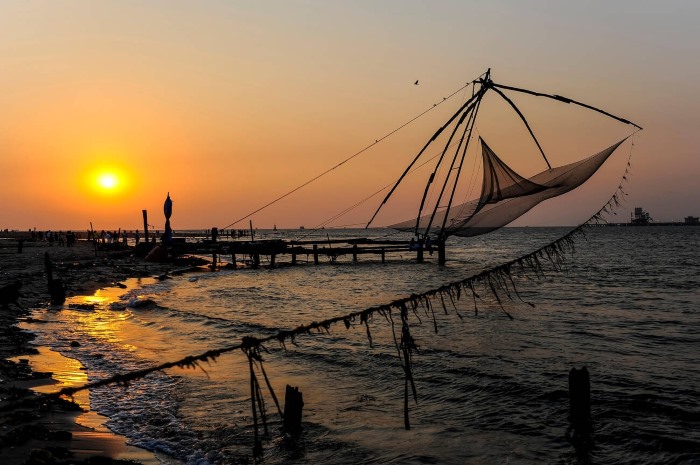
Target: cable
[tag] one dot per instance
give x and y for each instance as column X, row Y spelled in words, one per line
column 435, row 105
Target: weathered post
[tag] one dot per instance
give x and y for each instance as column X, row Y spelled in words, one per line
column 441, row 252
column 294, row 258
column 419, row 253
column 20, row 244
column 272, row 260
column 256, row 260
column 580, row 426
column 383, row 253
column 315, row 254
column 145, row 225
column 57, row 290
column 214, row 234
column 214, row 259
column 354, row 252
column 233, row 259
column 293, row 406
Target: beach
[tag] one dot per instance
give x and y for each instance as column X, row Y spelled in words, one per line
column 48, row 433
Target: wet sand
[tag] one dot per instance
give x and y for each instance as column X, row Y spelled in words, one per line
column 48, row 432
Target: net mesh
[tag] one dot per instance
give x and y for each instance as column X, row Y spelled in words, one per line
column 505, row 195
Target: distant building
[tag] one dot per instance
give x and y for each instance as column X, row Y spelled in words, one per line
column 640, row 217
column 692, row 220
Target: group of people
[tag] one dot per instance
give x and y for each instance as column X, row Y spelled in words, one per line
column 62, row 239
column 113, row 237
column 416, row 244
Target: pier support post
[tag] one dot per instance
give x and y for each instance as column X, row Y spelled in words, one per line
column 315, row 254
column 256, row 260
column 293, row 406
column 354, row 252
column 233, row 260
column 272, row 260
column 214, row 259
column 441, row 252
column 419, row 253
column 294, row 258
column 383, row 253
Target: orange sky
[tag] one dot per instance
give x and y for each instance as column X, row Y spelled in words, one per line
column 227, row 105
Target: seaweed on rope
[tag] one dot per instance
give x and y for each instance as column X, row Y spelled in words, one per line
column 497, row 281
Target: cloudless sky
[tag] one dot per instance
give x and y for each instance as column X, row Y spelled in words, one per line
column 229, row 104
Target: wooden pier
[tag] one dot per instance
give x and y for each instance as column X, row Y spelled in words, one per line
column 290, row 252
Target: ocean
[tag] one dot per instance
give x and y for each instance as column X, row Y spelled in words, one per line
column 490, row 390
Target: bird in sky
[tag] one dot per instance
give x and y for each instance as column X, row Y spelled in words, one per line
column 416, row 83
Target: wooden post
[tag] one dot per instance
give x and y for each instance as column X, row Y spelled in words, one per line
column 580, row 400
column 294, row 258
column 145, row 225
column 354, row 252
column 293, row 406
column 20, row 244
column 57, row 290
column 382, row 254
column 315, row 254
column 256, row 260
column 419, row 253
column 214, row 234
column 214, row 259
column 252, row 234
column 233, row 260
column 272, row 260
column 441, row 251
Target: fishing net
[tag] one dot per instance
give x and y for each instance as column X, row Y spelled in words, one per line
column 505, row 195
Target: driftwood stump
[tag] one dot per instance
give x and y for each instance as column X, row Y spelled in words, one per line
column 293, row 406
column 57, row 290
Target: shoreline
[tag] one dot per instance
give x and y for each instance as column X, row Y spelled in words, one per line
column 52, row 433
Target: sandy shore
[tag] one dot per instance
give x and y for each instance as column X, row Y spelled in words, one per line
column 49, row 433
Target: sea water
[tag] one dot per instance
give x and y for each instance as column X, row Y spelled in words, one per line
column 490, row 389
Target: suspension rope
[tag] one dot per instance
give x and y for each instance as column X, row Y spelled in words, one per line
column 377, row 141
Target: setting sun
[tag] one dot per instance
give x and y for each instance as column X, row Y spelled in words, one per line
column 107, row 181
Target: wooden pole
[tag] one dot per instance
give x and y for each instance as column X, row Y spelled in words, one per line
column 252, row 233
column 354, row 252
column 272, row 260
column 382, row 254
column 441, row 252
column 419, row 253
column 294, row 258
column 315, row 254
column 580, row 401
column 57, row 290
column 293, row 406
column 145, row 225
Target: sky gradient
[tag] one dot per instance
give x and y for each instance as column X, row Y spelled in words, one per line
column 228, row 105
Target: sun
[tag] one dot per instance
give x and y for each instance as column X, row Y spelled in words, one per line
column 107, row 181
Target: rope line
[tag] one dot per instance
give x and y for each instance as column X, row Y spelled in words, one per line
column 494, row 279
column 377, row 141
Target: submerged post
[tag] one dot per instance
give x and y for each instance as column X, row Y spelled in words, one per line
column 419, row 253
column 315, row 254
column 580, row 425
column 293, row 406
column 354, row 252
column 441, row 251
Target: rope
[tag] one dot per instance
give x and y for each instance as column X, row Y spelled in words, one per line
column 496, row 279
column 435, row 105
